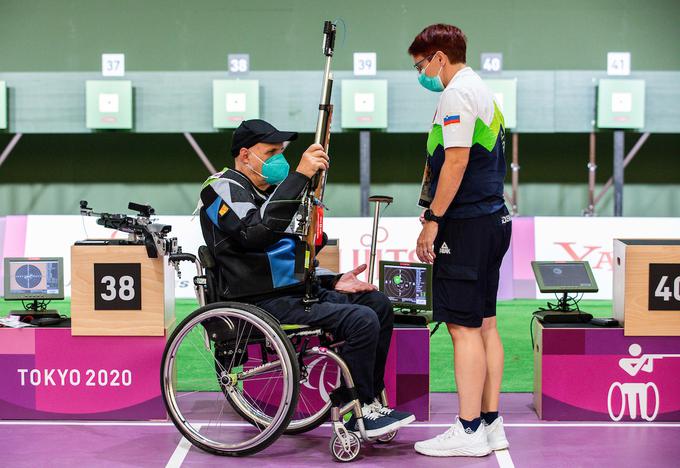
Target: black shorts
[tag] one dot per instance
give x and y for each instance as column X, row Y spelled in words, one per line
column 467, row 266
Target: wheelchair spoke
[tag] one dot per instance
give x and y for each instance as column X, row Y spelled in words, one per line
column 263, row 389
column 200, row 352
column 235, row 378
column 238, row 342
column 303, row 399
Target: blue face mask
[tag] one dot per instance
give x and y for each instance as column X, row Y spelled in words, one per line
column 433, row 83
column 274, row 170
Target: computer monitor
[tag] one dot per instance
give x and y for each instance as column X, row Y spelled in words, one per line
column 407, row 285
column 564, row 277
column 34, row 278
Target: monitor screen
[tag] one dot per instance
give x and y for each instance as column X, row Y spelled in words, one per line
column 407, row 285
column 34, row 278
column 564, row 277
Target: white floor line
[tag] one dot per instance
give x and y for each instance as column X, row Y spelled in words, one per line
column 84, row 423
column 415, row 425
column 504, row 459
column 585, row 424
column 180, row 453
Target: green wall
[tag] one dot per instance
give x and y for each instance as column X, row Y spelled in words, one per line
column 396, row 158
column 49, row 174
column 341, row 199
column 70, row 35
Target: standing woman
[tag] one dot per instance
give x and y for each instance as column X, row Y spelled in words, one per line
column 466, row 232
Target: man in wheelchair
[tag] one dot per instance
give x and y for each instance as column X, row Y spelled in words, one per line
column 247, row 219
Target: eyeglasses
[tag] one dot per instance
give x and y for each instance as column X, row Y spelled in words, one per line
column 419, row 65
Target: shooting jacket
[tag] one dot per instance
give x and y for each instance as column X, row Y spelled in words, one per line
column 250, row 234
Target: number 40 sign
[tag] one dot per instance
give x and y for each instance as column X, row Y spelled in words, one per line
column 664, row 286
column 492, row 62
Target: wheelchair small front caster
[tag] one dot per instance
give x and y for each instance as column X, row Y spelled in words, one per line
column 387, row 438
column 346, row 447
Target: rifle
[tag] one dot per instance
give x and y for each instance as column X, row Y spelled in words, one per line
column 312, row 205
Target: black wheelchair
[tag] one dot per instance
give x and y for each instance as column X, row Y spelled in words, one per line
column 234, row 379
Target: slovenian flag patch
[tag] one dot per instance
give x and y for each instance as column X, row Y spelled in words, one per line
column 451, row 119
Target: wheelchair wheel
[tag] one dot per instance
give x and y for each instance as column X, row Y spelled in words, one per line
column 345, row 448
column 223, row 337
column 320, row 375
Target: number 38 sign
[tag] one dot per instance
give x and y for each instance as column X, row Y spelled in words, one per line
column 664, row 286
column 117, row 286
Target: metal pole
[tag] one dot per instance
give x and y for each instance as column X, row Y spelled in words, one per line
column 374, row 238
column 10, row 146
column 199, row 152
column 618, row 172
column 592, row 168
column 364, row 169
column 631, row 154
column 515, row 172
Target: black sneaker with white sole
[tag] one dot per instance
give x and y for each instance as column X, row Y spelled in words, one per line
column 404, row 417
column 375, row 423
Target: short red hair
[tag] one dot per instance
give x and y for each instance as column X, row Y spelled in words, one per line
column 445, row 37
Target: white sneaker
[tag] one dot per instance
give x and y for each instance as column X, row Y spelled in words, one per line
column 456, row 442
column 495, row 434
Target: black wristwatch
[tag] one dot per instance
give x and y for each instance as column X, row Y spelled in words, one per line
column 430, row 216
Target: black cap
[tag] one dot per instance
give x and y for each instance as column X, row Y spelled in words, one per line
column 252, row 132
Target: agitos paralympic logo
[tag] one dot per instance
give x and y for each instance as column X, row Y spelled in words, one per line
column 598, row 258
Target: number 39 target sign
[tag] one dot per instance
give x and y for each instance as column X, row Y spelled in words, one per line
column 117, row 286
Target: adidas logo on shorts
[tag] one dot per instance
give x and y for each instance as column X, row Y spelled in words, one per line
column 444, row 249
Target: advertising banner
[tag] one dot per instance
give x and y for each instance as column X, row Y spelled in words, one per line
column 591, row 239
column 49, row 374
column 591, row 374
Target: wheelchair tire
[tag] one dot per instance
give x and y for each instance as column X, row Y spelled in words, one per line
column 274, row 337
column 300, row 427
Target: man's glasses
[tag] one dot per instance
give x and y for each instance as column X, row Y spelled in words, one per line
column 419, row 65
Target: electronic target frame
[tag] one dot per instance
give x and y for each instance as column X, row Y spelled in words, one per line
column 564, row 277
column 34, row 278
column 407, row 285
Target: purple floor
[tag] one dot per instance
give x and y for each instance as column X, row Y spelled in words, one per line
column 532, row 444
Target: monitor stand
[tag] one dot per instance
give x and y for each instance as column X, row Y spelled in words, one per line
column 563, row 313
column 562, row 316
column 33, row 310
column 410, row 317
